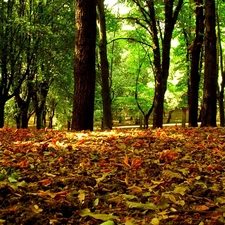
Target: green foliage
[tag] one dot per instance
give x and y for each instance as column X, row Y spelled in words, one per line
column 44, row 43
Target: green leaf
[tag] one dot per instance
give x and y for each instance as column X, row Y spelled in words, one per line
column 128, row 196
column 12, row 180
column 137, row 205
column 96, row 202
column 109, row 222
column 180, row 190
column 172, row 198
column 201, row 183
column 98, row 180
column 184, row 171
column 98, row 216
column 2, row 177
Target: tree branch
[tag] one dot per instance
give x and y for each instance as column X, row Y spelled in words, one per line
column 131, row 40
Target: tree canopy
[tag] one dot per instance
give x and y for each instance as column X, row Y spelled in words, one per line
column 151, row 61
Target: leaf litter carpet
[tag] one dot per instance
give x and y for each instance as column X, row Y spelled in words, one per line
column 131, row 177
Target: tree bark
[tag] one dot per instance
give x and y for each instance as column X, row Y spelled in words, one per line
column 220, row 56
column 23, row 107
column 39, row 99
column 84, row 66
column 170, row 116
column 195, row 64
column 221, row 100
column 2, row 106
column 39, row 119
column 210, row 68
column 162, row 63
column 106, row 99
column 184, row 115
column 12, row 45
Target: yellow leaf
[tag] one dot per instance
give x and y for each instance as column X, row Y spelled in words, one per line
column 220, row 200
column 135, row 189
column 126, row 180
column 170, row 197
column 36, row 209
column 129, row 222
column 126, row 161
column 81, row 195
column 117, row 199
column 155, row 221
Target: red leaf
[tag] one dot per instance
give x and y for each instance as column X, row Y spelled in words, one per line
column 61, row 193
column 136, row 163
column 7, row 152
column 45, row 182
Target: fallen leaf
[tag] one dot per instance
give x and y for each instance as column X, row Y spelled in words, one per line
column 135, row 189
column 138, row 205
column 136, row 163
column 99, row 216
column 126, row 161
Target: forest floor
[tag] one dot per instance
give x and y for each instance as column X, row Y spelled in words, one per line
column 165, row 176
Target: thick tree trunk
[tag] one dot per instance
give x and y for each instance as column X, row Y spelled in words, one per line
column 24, row 119
column 210, row 69
column 84, row 68
column 23, row 107
column 39, row 118
column 2, row 107
column 106, row 99
column 195, row 65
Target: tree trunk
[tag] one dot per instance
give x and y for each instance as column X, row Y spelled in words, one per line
column 170, row 116
column 2, row 107
column 24, row 119
column 158, row 103
column 39, row 118
column 221, row 106
column 184, row 116
column 195, row 65
column 50, row 124
column 162, row 63
column 39, row 99
column 210, row 69
column 106, row 99
column 68, row 125
column 84, row 66
column 222, row 85
column 23, row 107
